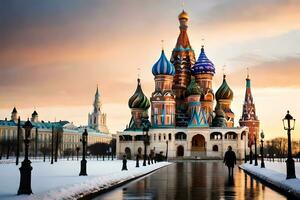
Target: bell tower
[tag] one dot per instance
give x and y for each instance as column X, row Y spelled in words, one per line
column 183, row 58
column 249, row 117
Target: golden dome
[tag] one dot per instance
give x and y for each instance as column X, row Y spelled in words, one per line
column 183, row 15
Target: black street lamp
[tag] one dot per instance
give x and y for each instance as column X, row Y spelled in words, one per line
column 146, row 125
column 245, row 146
column 289, row 124
column 52, row 144
column 250, row 154
column 18, row 141
column 167, row 142
column 262, row 136
column 83, row 161
column 25, row 169
column 255, row 151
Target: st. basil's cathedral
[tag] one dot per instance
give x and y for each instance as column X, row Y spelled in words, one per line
column 183, row 120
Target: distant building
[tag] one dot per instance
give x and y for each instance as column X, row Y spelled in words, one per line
column 97, row 119
column 41, row 134
column 184, row 122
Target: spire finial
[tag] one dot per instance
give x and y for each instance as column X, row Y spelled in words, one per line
column 182, row 4
column 138, row 72
column 223, row 69
column 247, row 72
column 162, row 45
column 202, row 40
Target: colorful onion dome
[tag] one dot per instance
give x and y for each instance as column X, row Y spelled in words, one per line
column 193, row 88
column 224, row 91
column 138, row 99
column 203, row 64
column 183, row 15
column 163, row 66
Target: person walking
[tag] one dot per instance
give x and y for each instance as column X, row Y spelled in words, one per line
column 124, row 166
column 230, row 160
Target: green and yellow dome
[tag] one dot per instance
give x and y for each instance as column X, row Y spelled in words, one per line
column 224, row 92
column 138, row 99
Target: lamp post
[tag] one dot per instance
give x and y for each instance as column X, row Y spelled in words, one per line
column 146, row 126
column 83, row 161
column 250, row 154
column 167, row 142
column 18, row 141
column 289, row 124
column 255, row 151
column 262, row 136
column 25, row 169
column 52, row 144
column 245, row 144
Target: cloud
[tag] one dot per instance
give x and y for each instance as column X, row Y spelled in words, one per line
column 276, row 73
column 230, row 19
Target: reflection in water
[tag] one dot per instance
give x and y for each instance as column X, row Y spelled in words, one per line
column 194, row 180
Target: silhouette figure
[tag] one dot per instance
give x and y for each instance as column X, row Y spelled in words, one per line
column 124, row 167
column 230, row 160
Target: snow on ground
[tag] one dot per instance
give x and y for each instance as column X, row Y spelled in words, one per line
column 275, row 174
column 62, row 180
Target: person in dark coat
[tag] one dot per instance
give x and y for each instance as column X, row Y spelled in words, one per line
column 124, row 167
column 230, row 160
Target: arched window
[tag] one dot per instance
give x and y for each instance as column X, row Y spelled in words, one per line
column 243, row 134
column 216, row 136
column 231, row 136
column 215, row 148
column 180, row 136
column 165, row 137
column 170, row 136
column 159, row 137
column 154, row 137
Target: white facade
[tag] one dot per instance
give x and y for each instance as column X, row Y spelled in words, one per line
column 192, row 143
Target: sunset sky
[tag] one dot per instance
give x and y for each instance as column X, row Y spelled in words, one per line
column 54, row 53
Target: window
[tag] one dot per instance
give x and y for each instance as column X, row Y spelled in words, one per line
column 215, row 148
column 170, row 136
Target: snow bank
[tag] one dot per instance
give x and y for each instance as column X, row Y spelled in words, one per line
column 275, row 174
column 62, row 180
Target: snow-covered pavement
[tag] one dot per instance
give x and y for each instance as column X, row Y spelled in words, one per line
column 61, row 180
column 275, row 174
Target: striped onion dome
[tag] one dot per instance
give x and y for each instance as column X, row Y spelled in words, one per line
column 193, row 88
column 163, row 66
column 224, row 91
column 138, row 99
column 203, row 64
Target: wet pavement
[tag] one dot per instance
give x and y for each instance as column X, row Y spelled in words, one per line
column 194, row 180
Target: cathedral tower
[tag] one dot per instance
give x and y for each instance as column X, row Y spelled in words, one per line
column 204, row 70
column 163, row 98
column 34, row 117
column 139, row 105
column 97, row 119
column 249, row 117
column 224, row 96
column 14, row 115
column 183, row 57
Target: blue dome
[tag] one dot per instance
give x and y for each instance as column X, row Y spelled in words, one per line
column 203, row 65
column 163, row 66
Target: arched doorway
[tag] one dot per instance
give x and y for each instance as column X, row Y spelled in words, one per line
column 128, row 152
column 215, row 148
column 180, row 151
column 198, row 143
